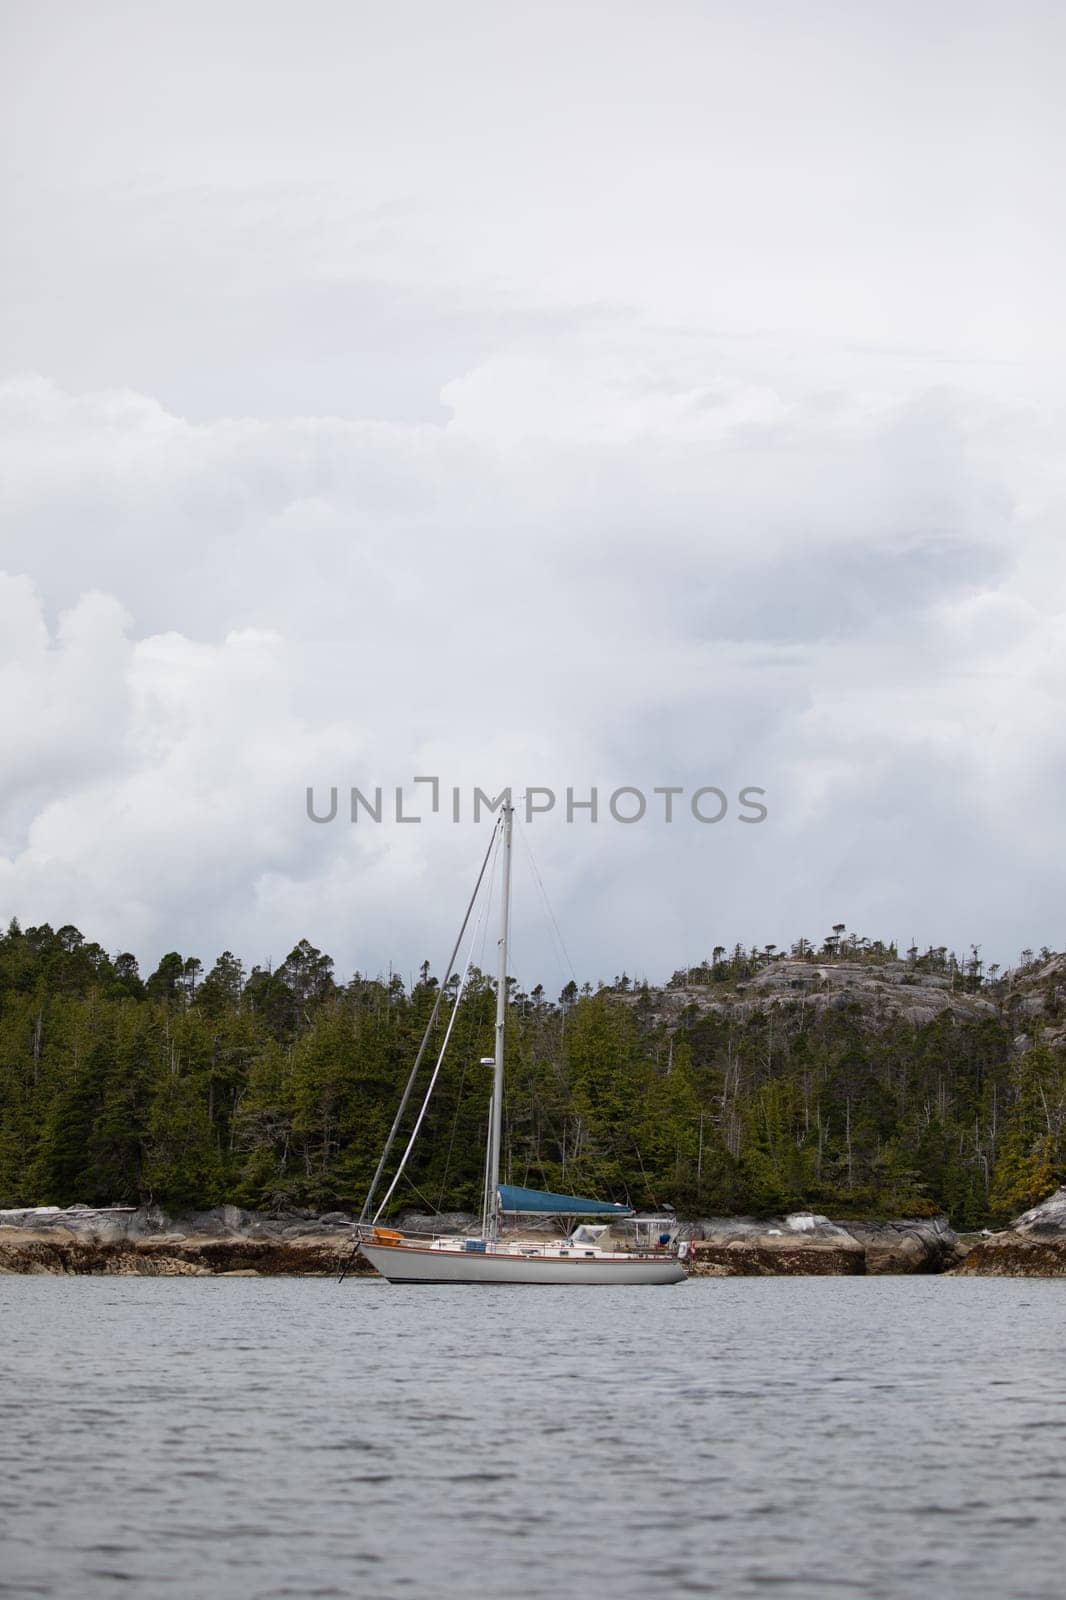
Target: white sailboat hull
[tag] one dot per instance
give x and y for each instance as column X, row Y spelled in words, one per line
column 426, row 1264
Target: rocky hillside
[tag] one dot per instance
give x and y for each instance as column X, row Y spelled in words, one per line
column 878, row 990
column 846, row 1080
column 1035, row 1003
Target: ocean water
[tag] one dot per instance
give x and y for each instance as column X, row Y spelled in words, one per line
column 235, row 1438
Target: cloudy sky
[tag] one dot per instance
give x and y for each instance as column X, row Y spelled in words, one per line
column 575, row 394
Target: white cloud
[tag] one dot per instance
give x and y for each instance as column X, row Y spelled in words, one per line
column 483, row 601
column 511, row 401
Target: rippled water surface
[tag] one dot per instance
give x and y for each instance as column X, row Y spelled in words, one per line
column 271, row 1437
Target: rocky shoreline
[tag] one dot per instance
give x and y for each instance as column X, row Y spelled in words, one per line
column 229, row 1242
column 808, row 1245
column 1034, row 1246
column 143, row 1242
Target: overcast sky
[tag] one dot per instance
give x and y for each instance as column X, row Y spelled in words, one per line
column 570, row 394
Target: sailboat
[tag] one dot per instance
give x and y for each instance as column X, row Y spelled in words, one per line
column 582, row 1256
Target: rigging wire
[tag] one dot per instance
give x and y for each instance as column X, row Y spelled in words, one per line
column 432, row 1084
column 451, row 1139
column 553, row 924
column 480, row 967
column 587, row 1163
column 412, row 1185
column 405, row 1097
column 488, row 911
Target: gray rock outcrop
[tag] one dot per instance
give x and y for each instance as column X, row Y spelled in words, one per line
column 1034, row 1246
column 131, row 1241
column 806, row 1243
column 886, row 989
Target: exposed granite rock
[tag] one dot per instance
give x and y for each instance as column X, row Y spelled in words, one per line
column 918, row 1245
column 886, row 989
column 1033, row 1247
column 739, row 1260
column 806, row 1243
column 228, row 1222
column 1039, row 998
column 91, row 1222
column 1045, row 1221
column 127, row 1241
column 442, row 1222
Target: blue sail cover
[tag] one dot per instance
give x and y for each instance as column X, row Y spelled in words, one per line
column 571, row 1205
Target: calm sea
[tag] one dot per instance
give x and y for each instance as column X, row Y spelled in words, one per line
column 231, row 1438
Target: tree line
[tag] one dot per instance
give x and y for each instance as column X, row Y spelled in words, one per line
column 275, row 1089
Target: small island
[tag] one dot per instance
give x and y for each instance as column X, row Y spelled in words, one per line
column 838, row 1107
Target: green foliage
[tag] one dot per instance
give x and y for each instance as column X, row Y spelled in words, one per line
column 1032, row 1156
column 278, row 1089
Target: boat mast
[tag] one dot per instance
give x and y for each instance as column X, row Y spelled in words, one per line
column 492, row 1231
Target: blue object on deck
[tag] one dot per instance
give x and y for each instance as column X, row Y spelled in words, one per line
column 475, row 1244
column 546, row 1204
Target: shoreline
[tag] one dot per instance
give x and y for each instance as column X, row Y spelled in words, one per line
column 228, row 1242
column 24, row 1253
column 129, row 1241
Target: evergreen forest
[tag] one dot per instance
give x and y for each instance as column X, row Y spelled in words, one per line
column 275, row 1089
